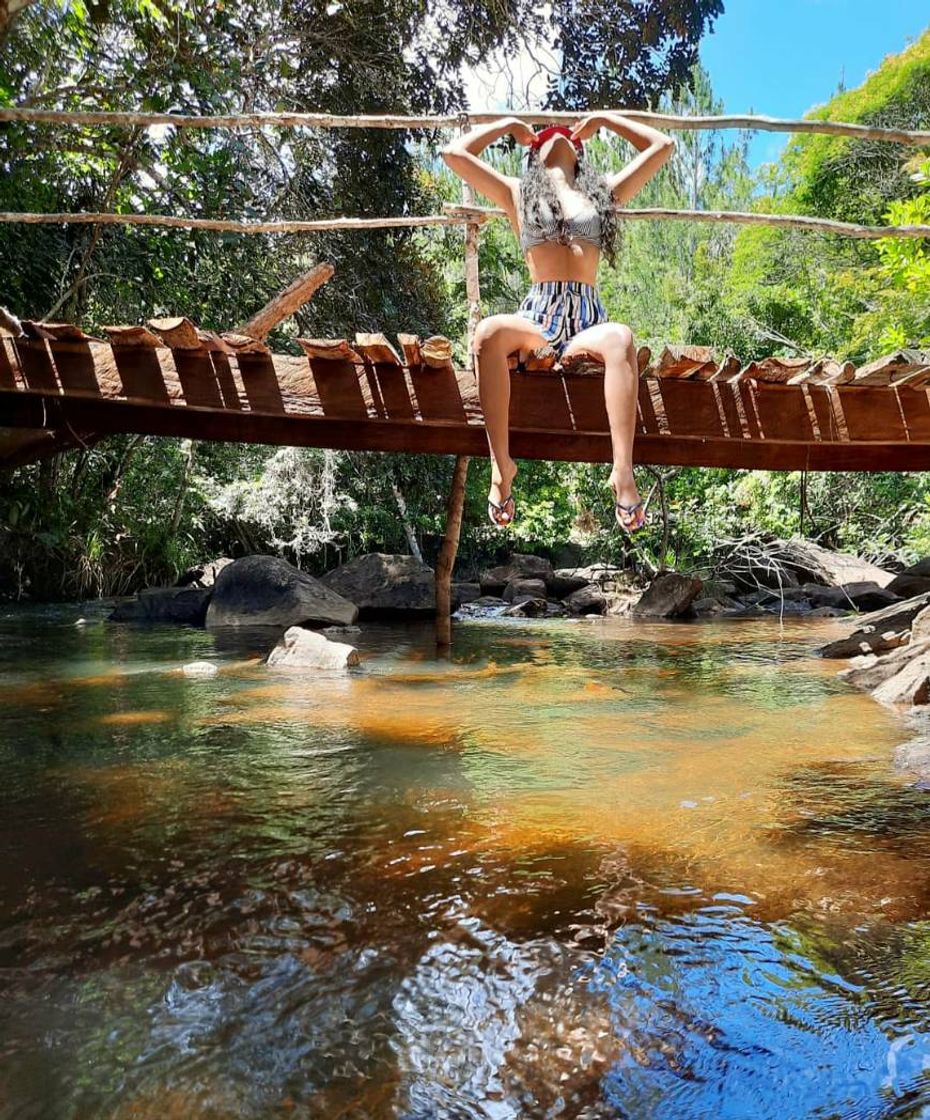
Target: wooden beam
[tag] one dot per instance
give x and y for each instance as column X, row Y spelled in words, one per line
column 285, row 303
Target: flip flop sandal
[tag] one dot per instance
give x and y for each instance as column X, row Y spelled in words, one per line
column 629, row 511
column 498, row 508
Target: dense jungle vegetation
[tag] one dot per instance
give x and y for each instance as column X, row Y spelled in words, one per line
column 137, row 510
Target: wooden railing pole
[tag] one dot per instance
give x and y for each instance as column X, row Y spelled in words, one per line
column 456, row 502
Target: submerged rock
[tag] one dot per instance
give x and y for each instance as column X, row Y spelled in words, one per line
column 183, row 605
column 309, row 649
column 669, row 595
column 527, row 607
column 268, row 591
column 382, row 583
column 200, row 669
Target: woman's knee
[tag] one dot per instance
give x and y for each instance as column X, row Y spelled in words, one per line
column 489, row 333
column 618, row 337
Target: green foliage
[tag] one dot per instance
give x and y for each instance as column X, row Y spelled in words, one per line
column 130, row 511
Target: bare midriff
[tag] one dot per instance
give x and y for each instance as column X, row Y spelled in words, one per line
column 575, row 261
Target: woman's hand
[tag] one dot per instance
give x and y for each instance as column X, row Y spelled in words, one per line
column 519, row 130
column 588, row 125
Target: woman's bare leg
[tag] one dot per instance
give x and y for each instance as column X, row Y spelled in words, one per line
column 496, row 337
column 614, row 344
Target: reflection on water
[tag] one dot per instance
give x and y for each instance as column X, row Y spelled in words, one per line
column 583, row 869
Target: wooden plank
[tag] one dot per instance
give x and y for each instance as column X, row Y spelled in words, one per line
column 683, row 361
column 436, row 351
column 385, row 373
column 177, row 333
column 689, row 407
column 132, row 335
column 871, row 415
column 890, row 368
column 336, row 349
column 776, row 370
column 782, row 412
column 243, row 344
column 410, row 348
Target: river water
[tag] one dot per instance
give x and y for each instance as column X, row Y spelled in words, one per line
column 583, row 869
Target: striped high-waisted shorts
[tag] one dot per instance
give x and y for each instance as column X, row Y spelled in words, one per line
column 562, row 308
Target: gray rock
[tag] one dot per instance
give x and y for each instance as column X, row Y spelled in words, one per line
column 520, row 566
column 268, row 591
column 909, row 686
column 827, row 612
column 528, row 607
column 203, row 575
column 463, row 592
column 524, row 588
column 913, row 757
column 185, row 605
column 872, row 670
column 200, row 669
column 308, row 649
column 564, row 581
column 589, row 599
column 813, row 563
column 908, row 584
column 864, row 596
column 920, row 625
column 384, row 584
column 668, row 596
column 862, row 641
column 898, row 616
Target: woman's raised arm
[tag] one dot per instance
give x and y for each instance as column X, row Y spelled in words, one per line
column 655, row 148
column 461, row 155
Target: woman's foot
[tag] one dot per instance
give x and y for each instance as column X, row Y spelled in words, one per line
column 628, row 507
column 501, row 506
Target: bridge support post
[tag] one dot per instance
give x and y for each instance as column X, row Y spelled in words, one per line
column 450, row 543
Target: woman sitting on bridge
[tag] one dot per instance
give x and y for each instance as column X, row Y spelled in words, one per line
column 566, row 220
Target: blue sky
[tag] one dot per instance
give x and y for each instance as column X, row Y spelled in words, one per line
column 781, row 57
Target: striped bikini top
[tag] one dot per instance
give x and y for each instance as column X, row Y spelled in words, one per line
column 585, row 226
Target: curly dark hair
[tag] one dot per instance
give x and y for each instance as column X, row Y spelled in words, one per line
column 536, row 185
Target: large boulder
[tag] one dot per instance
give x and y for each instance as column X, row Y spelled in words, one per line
column 864, row 596
column 463, row 592
column 909, row 583
column 910, row 686
column 894, row 620
column 185, row 605
column 381, row 583
column 268, row 591
column 872, row 670
column 860, row 642
column 523, row 588
column 520, row 566
column 815, row 564
column 308, row 649
column 670, row 594
column 589, row 599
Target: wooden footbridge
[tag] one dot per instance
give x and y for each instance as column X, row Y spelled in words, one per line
column 60, row 387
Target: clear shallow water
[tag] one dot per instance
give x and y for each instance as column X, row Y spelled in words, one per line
column 583, row 870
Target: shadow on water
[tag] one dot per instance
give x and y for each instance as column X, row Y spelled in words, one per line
column 585, row 870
